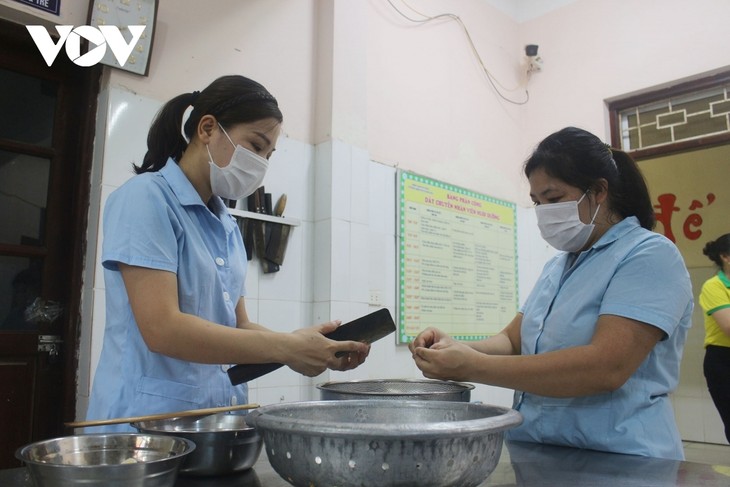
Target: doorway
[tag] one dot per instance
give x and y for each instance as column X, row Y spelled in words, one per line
column 46, row 138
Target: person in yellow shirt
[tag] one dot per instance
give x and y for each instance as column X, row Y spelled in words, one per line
column 715, row 302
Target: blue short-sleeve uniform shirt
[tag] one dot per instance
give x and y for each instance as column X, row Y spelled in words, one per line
column 157, row 220
column 630, row 272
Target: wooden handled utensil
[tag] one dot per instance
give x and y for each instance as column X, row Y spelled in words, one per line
column 154, row 417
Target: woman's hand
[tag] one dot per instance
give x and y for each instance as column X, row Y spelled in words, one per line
column 445, row 358
column 429, row 338
column 312, row 352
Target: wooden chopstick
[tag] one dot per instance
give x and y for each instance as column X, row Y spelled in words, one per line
column 153, row 417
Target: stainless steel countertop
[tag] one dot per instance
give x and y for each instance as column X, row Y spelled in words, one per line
column 521, row 464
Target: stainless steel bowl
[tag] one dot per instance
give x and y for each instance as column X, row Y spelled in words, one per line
column 374, row 442
column 225, row 443
column 119, row 459
column 407, row 389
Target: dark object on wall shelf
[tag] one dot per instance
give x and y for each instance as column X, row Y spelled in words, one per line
column 264, row 234
column 279, row 236
column 268, row 265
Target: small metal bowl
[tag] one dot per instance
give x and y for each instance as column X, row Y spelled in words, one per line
column 118, row 459
column 225, row 443
column 405, row 389
column 374, row 442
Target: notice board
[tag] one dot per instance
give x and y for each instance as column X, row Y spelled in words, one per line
column 457, row 260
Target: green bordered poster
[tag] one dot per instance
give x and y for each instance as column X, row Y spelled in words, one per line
column 458, row 260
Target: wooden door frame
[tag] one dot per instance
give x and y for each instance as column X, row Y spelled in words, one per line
column 80, row 108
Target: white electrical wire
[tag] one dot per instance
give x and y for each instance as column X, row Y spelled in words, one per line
column 449, row 16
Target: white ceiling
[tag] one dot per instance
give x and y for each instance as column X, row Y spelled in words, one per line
column 523, row 10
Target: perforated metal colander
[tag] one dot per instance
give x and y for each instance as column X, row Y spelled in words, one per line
column 389, row 389
column 383, row 443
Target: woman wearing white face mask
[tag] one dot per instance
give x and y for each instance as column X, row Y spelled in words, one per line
column 175, row 264
column 594, row 352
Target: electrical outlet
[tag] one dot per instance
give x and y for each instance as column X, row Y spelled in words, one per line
column 376, row 297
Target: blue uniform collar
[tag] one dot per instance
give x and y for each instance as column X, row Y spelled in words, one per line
column 617, row 231
column 188, row 196
column 180, row 184
column 614, row 233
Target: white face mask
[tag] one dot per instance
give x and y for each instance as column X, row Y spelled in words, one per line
column 561, row 227
column 243, row 174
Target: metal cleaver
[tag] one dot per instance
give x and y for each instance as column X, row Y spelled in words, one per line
column 368, row 329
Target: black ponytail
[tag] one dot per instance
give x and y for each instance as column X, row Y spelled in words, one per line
column 631, row 195
column 717, row 248
column 231, row 99
column 164, row 139
column 580, row 159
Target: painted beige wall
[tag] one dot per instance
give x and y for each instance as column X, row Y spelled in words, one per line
column 270, row 41
column 431, row 108
column 598, row 49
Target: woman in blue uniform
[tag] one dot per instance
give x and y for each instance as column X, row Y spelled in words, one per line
column 595, row 351
column 175, row 264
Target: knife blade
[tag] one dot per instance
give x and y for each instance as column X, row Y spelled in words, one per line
column 279, row 235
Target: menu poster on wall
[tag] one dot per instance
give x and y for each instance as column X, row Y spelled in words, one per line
column 458, row 260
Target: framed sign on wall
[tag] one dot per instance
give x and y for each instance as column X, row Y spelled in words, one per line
column 134, row 19
column 457, row 260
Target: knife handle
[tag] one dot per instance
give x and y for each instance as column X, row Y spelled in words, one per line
column 238, row 374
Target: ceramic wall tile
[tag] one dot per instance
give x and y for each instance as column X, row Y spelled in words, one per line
column 83, row 373
column 275, row 395
column 341, row 180
column 129, row 119
column 323, row 181
column 252, row 309
column 381, row 199
column 322, row 263
column 97, row 336
column 253, row 274
column 286, row 282
column 253, row 395
column 390, row 284
column 282, row 316
column 291, row 172
column 309, row 393
column 340, row 259
column 492, row 395
column 359, row 259
column 382, row 265
column 360, row 186
column 106, row 190
column 321, row 312
column 305, row 260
